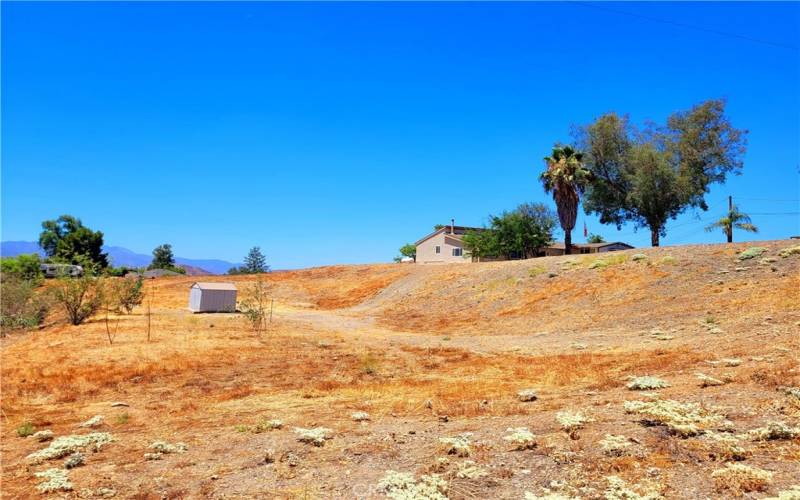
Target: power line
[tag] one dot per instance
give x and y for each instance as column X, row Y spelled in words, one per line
column 689, row 26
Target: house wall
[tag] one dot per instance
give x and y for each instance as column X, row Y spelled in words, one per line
column 426, row 251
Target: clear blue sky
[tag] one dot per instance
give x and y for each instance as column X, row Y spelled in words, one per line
column 334, row 133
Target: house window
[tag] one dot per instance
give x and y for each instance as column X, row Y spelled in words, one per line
column 457, row 252
column 438, row 249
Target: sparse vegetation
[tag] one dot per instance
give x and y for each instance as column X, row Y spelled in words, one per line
column 774, row 430
column 789, row 251
column 54, row 480
column 521, row 438
column 647, row 383
column 740, row 478
column 615, row 445
column 21, row 306
column 65, row 445
column 571, row 423
column 316, row 436
column 752, row 253
column 26, row 429
column 404, row 486
column 683, row 419
column 458, row 445
column 80, row 297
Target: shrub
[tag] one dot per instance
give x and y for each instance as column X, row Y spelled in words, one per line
column 74, row 460
column 683, row 419
column 268, row 425
column 55, row 480
column 521, row 438
column 80, row 297
column 254, row 305
column 646, row 383
column 458, row 445
column 706, row 381
column 360, row 416
column 752, row 253
column 95, row 421
column 618, row 489
column 65, row 445
column 773, row 431
column 614, row 445
column 403, row 486
column 741, row 478
column 470, row 470
column 20, row 305
column 128, row 293
column 165, row 448
column 527, row 395
column 638, row 256
column 788, row 251
column 316, row 436
column 25, row 267
column 26, row 429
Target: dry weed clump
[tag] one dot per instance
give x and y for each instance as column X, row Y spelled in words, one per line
column 789, row 251
column 683, row 419
column 706, row 381
column 360, row 416
column 268, row 425
column 614, row 445
column 55, row 480
column 646, row 383
column 618, row 489
column 95, row 421
column 75, row 460
column 741, row 478
column 793, row 493
column 527, row 395
column 458, row 445
column 42, row 436
column 571, row 423
column 404, row 486
column 725, row 446
column 65, row 445
column 773, row 431
column 470, row 470
column 316, row 436
column 751, row 253
column 521, row 438
column 791, row 391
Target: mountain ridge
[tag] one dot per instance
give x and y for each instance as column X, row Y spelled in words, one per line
column 121, row 256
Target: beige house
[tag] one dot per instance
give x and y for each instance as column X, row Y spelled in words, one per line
column 444, row 246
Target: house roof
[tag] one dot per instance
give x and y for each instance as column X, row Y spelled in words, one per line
column 560, row 244
column 460, row 230
column 209, row 285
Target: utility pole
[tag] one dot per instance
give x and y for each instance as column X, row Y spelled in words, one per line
column 730, row 212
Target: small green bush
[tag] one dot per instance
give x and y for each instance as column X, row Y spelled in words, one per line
column 80, row 297
column 26, row 429
column 21, row 306
column 751, row 253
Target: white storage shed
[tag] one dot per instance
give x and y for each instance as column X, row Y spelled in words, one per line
column 212, row 297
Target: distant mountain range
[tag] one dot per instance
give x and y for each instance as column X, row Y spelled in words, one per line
column 121, row 256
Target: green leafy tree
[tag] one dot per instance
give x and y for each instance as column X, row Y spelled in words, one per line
column 595, row 238
column 566, row 178
column 163, row 257
column 127, row 293
column 67, row 240
column 648, row 177
column 24, row 266
column 408, row 250
column 733, row 219
column 518, row 234
column 255, row 262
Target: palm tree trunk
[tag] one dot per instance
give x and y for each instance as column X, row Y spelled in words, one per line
column 567, row 242
column 729, row 233
column 654, row 236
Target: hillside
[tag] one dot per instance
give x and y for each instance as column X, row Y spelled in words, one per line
column 431, row 353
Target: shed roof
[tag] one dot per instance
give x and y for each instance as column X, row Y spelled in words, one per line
column 209, row 285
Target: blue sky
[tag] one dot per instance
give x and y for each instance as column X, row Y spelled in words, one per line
column 334, row 133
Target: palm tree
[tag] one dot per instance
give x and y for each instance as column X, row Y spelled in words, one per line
column 734, row 219
column 566, row 178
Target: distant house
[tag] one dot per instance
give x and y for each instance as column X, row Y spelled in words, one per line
column 444, row 245
column 212, row 297
column 56, row 270
column 557, row 248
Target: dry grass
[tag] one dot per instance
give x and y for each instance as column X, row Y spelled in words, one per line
column 202, row 376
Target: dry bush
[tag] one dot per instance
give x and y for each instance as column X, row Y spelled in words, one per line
column 741, row 478
column 80, row 297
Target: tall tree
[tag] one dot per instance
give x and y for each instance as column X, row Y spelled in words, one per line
column 66, row 239
column 163, row 257
column 255, row 262
column 648, row 177
column 565, row 177
column 733, row 219
column 408, row 250
column 518, row 234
